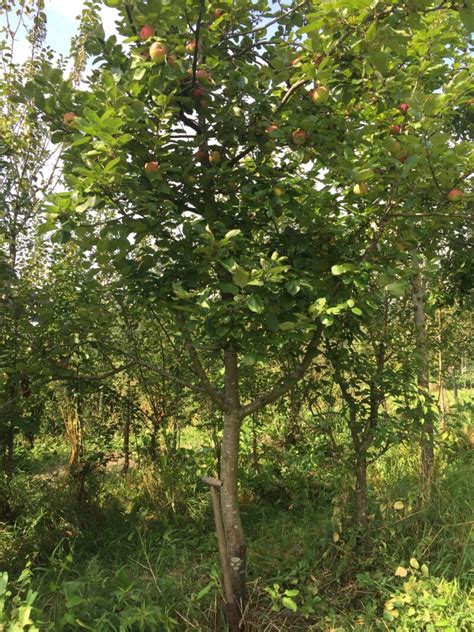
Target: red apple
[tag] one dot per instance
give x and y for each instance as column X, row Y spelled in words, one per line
column 199, row 93
column 190, row 46
column 319, row 95
column 215, row 157
column 69, row 118
column 158, row 52
column 403, row 159
column 360, row 188
column 404, row 107
column 147, row 31
column 395, row 129
column 201, row 74
column 299, row 137
column 152, row 168
column 204, row 104
column 201, row 156
column 455, row 195
column 218, row 13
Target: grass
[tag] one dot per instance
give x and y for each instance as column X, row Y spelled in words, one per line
column 140, row 553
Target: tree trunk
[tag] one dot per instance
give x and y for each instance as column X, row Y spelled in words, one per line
column 234, row 533
column 7, row 434
column 154, row 442
column 361, row 489
column 292, row 430
column 427, row 440
column 256, row 465
column 126, row 441
column 443, row 408
column 10, row 450
column 455, row 384
column 7, row 449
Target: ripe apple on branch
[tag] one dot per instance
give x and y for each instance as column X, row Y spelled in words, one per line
column 147, row 31
column 158, row 52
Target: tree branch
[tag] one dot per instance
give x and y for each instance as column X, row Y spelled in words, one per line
column 90, row 378
column 196, row 39
column 128, row 11
column 200, row 371
column 169, row 376
column 289, row 380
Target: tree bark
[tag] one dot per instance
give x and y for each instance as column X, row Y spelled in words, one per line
column 455, row 384
column 126, row 441
column 292, row 422
column 236, row 549
column 8, row 441
column 427, row 440
column 256, row 464
column 7, row 434
column 441, row 390
column 361, row 488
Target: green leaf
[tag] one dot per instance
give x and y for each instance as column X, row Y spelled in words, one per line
column 204, row 591
column 341, row 268
column 272, row 321
column 228, row 288
column 290, row 604
column 467, row 18
column 317, row 307
column 293, row 287
column 62, row 236
column 396, row 289
column 241, row 277
column 232, row 233
column 255, row 303
column 287, row 325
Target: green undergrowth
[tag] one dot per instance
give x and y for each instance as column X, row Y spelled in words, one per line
column 139, row 552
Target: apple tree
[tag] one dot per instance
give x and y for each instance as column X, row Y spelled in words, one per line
column 242, row 165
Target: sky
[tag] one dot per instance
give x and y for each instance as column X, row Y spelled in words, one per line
column 62, row 26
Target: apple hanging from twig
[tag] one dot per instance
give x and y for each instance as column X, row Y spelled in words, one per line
column 215, row 157
column 147, row 31
column 152, row 168
column 69, row 118
column 299, row 137
column 201, row 156
column 455, row 195
column 158, row 52
column 319, row 95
